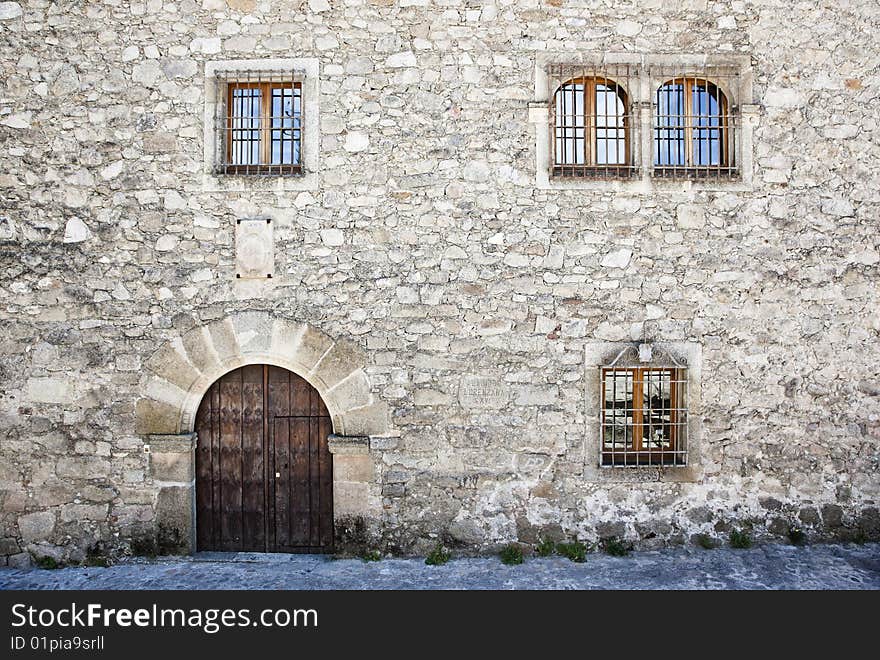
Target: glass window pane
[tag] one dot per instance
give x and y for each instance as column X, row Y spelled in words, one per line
column 245, row 122
column 657, row 415
column 570, row 124
column 669, row 134
column 706, row 139
column 618, row 410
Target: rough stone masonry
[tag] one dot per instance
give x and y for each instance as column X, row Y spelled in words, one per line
column 442, row 300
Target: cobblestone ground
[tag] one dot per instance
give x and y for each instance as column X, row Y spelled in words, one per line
column 767, row 567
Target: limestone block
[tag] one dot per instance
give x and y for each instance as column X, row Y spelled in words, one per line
column 617, row 258
column 170, row 363
column 349, row 445
column 351, row 498
column 159, row 143
column 286, row 337
column 690, row 216
column 82, row 467
column 353, row 468
column 341, row 361
column 156, row 417
column 36, row 526
column 224, row 340
column 9, row 10
column 175, row 520
column 76, row 231
column 351, row 393
column 253, row 331
column 172, row 466
column 374, row 419
column 78, row 512
column 254, row 249
column 312, row 346
column 200, row 351
column 50, row 390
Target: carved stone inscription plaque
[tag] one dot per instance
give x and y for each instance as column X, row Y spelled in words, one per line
column 482, row 392
column 254, row 251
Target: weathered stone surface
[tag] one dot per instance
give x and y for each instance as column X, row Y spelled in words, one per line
column 438, row 296
column 50, row 390
column 9, row 10
column 76, row 231
column 36, row 526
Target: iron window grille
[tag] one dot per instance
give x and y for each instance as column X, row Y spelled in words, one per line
column 593, row 131
column 260, row 118
column 644, row 418
column 696, row 123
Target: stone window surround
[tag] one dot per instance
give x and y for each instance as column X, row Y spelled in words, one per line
column 598, row 354
column 306, row 70
column 640, row 96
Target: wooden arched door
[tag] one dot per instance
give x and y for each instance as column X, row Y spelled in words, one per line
column 264, row 480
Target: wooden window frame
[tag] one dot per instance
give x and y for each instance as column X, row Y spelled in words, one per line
column 638, row 455
column 688, row 118
column 590, row 167
column 265, row 166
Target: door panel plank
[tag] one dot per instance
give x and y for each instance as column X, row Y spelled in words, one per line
column 253, row 478
column 314, row 480
column 299, row 492
column 230, row 462
column 204, row 474
column 282, row 482
column 326, row 481
column 277, row 409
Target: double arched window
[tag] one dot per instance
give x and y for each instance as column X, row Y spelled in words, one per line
column 691, row 125
column 591, row 127
column 622, row 121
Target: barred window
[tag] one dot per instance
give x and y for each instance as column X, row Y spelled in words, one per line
column 644, row 412
column 693, row 129
column 262, row 126
column 591, row 129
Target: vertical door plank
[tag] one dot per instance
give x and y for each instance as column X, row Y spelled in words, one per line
column 277, row 409
column 301, row 400
column 204, row 481
column 253, row 478
column 299, row 493
column 216, row 480
column 326, row 463
column 314, row 482
column 230, row 462
column 281, row 483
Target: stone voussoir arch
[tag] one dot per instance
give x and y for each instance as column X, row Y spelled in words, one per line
column 179, row 373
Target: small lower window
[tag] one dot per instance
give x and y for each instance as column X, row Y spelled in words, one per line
column 644, row 413
column 262, row 127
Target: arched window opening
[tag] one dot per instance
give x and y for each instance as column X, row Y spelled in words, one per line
column 692, row 128
column 591, row 129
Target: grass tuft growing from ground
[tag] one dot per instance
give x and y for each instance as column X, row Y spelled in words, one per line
column 438, row 556
column 545, row 548
column 511, row 554
column 574, row 550
column 740, row 539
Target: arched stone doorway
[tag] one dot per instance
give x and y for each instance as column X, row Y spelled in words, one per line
column 184, row 367
column 264, row 473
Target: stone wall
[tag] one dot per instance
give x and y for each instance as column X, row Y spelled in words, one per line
column 426, row 244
